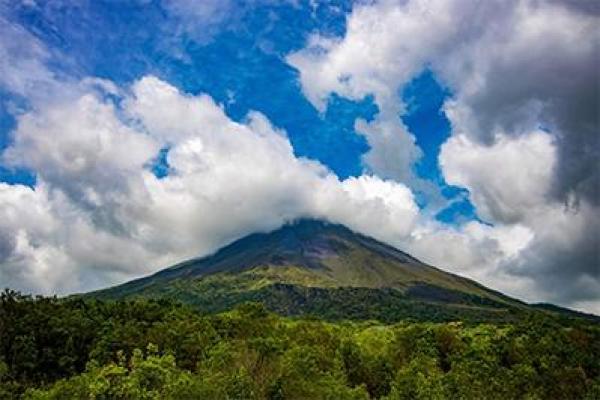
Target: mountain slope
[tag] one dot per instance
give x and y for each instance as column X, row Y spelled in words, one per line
column 314, row 267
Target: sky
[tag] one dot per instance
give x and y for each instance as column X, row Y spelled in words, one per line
column 136, row 134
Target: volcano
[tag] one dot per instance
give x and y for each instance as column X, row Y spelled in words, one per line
column 313, row 267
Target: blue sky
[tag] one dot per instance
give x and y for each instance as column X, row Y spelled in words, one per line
column 163, row 129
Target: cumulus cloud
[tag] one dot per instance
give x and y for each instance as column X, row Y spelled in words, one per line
column 505, row 180
column 524, row 117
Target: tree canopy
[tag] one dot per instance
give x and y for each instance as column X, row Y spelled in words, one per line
column 145, row 349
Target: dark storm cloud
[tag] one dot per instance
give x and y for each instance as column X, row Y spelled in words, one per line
column 7, row 245
column 590, row 7
column 567, row 277
column 549, row 80
column 541, row 72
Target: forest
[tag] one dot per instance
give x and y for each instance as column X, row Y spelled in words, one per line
column 78, row 348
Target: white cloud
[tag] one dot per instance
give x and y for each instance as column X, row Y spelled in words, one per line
column 385, row 209
column 52, row 246
column 79, row 146
column 505, row 180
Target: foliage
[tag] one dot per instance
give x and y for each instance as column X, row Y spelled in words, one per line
column 148, row 349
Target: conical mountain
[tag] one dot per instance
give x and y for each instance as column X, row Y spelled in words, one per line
column 315, row 267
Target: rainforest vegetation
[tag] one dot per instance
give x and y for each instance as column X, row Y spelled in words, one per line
column 147, row 349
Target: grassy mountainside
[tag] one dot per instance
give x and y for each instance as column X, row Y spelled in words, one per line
column 326, row 270
column 297, row 291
